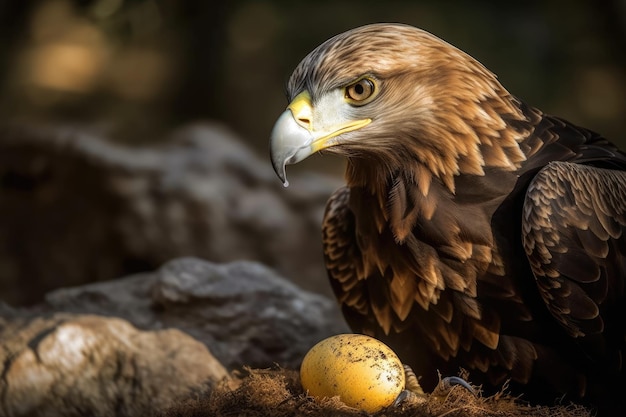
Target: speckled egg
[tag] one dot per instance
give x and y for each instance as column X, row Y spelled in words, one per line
column 364, row 372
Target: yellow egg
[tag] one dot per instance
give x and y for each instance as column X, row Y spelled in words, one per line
column 364, row 372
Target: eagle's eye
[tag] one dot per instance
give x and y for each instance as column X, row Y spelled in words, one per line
column 361, row 91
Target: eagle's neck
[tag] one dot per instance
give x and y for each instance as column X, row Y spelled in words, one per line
column 411, row 179
column 464, row 136
column 400, row 203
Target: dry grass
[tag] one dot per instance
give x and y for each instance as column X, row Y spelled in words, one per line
column 277, row 392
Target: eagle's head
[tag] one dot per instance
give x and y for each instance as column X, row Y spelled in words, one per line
column 391, row 97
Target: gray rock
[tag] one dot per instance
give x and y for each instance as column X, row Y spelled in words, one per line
column 76, row 208
column 77, row 365
column 243, row 311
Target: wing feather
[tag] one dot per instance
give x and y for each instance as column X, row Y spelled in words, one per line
column 574, row 231
column 342, row 257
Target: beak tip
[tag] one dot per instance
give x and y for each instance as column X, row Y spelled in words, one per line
column 279, row 169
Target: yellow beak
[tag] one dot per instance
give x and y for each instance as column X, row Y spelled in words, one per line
column 301, row 131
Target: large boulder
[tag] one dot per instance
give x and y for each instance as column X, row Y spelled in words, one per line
column 243, row 311
column 77, row 208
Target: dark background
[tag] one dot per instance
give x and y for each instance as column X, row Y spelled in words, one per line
column 136, row 69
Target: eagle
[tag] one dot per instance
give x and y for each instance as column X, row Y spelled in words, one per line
column 474, row 231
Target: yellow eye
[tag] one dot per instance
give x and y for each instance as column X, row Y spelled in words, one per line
column 361, row 91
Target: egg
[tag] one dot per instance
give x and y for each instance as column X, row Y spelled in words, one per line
column 364, row 372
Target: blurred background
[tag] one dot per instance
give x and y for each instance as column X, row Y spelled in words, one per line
column 125, row 184
column 138, row 68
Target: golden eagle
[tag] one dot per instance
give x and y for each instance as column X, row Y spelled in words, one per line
column 474, row 231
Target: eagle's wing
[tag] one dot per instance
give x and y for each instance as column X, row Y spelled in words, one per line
column 574, row 233
column 343, row 258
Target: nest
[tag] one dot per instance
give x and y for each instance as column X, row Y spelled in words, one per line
column 278, row 393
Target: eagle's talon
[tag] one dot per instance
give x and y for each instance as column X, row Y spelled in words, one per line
column 402, row 397
column 449, row 382
column 413, row 392
column 409, row 397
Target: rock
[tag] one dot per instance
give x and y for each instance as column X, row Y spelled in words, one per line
column 243, row 311
column 136, row 345
column 76, row 208
column 76, row 365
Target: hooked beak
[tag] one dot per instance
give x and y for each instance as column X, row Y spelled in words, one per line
column 300, row 131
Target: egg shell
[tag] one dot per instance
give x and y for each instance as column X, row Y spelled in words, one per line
column 364, row 372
